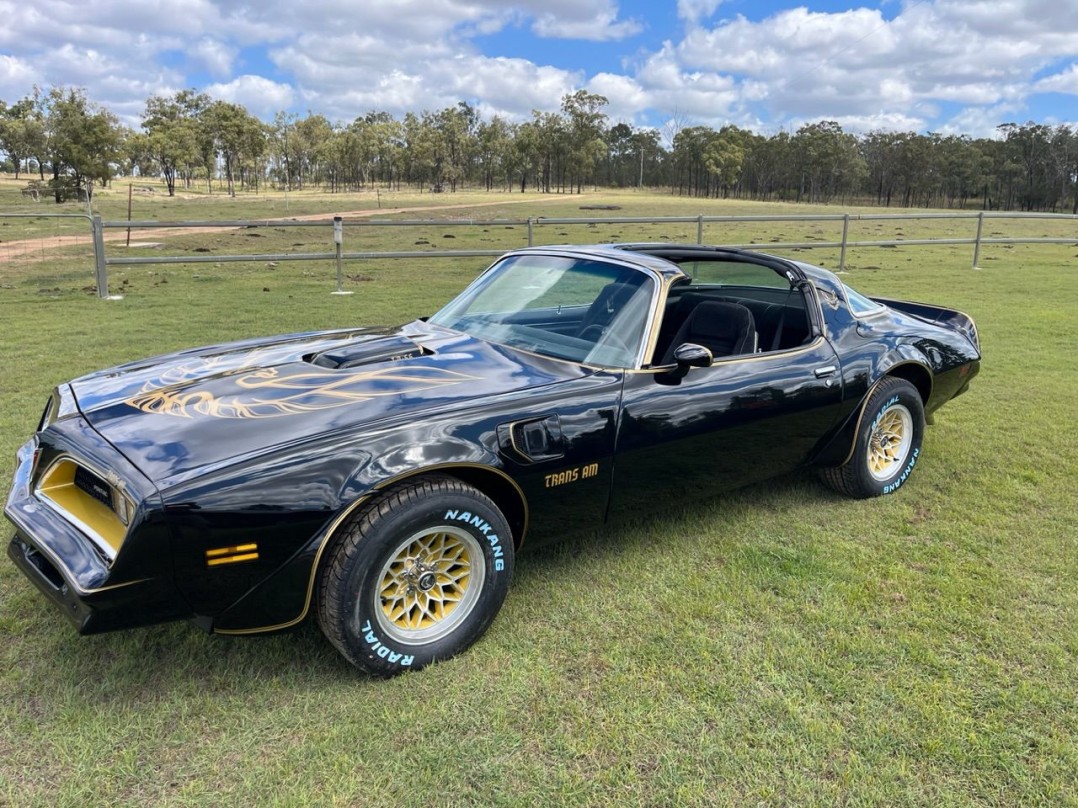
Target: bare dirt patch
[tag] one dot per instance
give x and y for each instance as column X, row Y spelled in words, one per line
column 25, row 248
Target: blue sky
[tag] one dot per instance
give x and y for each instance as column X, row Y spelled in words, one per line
column 951, row 66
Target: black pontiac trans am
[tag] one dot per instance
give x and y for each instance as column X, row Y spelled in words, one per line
column 382, row 480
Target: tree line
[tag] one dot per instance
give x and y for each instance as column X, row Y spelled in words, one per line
column 67, row 143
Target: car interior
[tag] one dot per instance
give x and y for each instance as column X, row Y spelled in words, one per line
column 594, row 312
column 731, row 308
column 732, row 320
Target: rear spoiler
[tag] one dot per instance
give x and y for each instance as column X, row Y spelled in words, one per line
column 948, row 318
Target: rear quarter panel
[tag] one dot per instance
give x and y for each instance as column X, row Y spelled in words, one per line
column 939, row 358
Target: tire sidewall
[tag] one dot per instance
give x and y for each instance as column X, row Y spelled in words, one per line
column 890, row 393
column 465, row 510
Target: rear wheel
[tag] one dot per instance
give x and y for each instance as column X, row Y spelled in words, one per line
column 887, row 444
column 417, row 576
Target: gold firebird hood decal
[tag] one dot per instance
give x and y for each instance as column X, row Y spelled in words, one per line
column 288, row 390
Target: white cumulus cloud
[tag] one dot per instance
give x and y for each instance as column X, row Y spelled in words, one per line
column 927, row 64
column 16, row 77
column 696, row 10
column 261, row 96
column 1066, row 81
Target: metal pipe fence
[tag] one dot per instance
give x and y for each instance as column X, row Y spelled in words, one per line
column 338, row 225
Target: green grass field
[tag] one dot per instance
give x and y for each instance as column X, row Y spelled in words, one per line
column 780, row 646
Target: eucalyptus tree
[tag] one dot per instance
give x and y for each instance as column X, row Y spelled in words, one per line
column 238, row 141
column 495, row 155
column 526, row 153
column 22, row 132
column 618, row 166
column 1041, row 176
column 650, row 156
column 632, row 154
column 456, row 143
column 284, row 147
column 551, row 148
column 83, row 141
column 585, row 127
column 383, row 147
column 724, row 159
column 687, row 153
column 881, row 151
column 173, row 128
column 769, row 165
column 827, row 160
column 422, row 154
column 1065, row 165
column 138, row 158
column 708, row 162
column 961, row 169
column 310, row 152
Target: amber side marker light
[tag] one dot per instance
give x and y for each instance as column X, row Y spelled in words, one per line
column 231, row 555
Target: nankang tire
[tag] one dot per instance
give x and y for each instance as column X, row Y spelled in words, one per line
column 887, row 445
column 416, row 577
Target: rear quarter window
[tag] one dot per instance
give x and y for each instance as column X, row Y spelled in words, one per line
column 861, row 306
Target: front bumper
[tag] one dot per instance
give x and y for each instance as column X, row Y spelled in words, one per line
column 69, row 569
column 90, row 610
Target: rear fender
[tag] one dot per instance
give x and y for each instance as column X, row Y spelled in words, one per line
column 905, row 363
column 952, row 319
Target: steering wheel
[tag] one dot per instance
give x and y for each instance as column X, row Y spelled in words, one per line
column 592, row 333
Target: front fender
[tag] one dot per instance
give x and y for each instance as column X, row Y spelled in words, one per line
column 404, row 455
column 285, row 598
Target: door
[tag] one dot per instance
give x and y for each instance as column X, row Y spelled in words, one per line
column 741, row 420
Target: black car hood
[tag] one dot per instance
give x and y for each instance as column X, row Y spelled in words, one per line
column 177, row 413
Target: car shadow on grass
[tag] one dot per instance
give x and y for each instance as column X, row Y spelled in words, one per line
column 145, row 665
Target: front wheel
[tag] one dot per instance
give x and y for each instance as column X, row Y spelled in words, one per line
column 887, row 444
column 417, row 576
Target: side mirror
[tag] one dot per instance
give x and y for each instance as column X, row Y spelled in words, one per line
column 691, row 355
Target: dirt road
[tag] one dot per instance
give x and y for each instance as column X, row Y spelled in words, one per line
column 10, row 250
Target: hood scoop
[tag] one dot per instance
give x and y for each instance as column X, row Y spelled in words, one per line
column 368, row 352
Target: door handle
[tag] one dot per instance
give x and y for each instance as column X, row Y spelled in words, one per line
column 826, row 370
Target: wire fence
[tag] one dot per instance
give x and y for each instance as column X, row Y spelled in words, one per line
column 364, row 231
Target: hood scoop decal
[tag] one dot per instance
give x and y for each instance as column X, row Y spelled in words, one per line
column 368, row 352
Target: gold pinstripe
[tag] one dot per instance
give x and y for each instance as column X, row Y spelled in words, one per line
column 347, row 513
column 868, row 395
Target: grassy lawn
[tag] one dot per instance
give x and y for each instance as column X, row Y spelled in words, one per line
column 780, row 646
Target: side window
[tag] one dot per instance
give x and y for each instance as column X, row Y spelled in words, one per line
column 733, row 309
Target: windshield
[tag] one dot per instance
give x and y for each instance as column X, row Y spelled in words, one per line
column 568, row 308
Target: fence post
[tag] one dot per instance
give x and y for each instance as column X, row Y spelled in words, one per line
column 700, row 229
column 101, row 270
column 845, row 234
column 977, row 240
column 531, row 231
column 338, row 243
